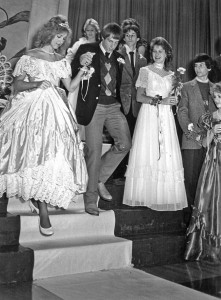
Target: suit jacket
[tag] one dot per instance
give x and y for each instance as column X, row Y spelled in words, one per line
column 190, row 109
column 127, row 89
column 85, row 108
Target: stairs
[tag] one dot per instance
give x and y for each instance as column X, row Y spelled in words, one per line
column 81, row 242
column 158, row 236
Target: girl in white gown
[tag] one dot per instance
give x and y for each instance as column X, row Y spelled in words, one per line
column 154, row 176
column 41, row 154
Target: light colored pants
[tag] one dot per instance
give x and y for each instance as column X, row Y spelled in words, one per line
column 100, row 168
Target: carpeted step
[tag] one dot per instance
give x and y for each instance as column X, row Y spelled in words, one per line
column 81, row 242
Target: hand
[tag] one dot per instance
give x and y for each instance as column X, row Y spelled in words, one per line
column 44, row 84
column 86, row 58
column 171, row 100
column 217, row 129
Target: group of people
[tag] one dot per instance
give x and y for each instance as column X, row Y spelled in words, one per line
column 110, row 84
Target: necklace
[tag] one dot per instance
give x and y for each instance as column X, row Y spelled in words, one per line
column 51, row 53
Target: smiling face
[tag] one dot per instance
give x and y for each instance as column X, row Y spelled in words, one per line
column 58, row 40
column 109, row 43
column 159, row 54
column 90, row 33
column 217, row 99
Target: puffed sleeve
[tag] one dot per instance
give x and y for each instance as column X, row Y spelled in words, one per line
column 26, row 64
column 142, row 78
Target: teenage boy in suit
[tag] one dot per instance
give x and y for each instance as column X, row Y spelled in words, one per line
column 98, row 105
column 195, row 101
column 133, row 62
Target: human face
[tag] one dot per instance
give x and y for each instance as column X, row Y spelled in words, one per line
column 201, row 70
column 131, row 39
column 217, row 99
column 90, row 33
column 110, row 43
column 159, row 54
column 58, row 40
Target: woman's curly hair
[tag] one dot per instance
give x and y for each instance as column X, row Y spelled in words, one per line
column 54, row 26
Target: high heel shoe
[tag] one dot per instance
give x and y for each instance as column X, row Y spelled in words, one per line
column 33, row 208
column 46, row 231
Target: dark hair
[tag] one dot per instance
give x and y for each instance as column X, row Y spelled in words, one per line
column 93, row 23
column 111, row 28
column 54, row 26
column 131, row 27
column 160, row 41
column 129, row 21
column 203, row 57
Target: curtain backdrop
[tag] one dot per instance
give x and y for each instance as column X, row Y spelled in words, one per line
column 190, row 26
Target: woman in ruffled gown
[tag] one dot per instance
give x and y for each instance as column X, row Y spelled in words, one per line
column 41, row 154
column 204, row 231
column 154, row 177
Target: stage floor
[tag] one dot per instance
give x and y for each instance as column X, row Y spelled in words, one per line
column 121, row 284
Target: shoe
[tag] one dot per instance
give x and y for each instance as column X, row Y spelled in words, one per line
column 33, row 208
column 46, row 231
column 92, row 209
column 103, row 192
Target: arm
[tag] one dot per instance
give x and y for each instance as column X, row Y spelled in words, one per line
column 19, row 85
column 143, row 98
column 71, row 85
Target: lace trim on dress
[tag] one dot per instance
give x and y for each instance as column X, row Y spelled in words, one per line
column 142, row 80
column 30, row 65
column 53, row 183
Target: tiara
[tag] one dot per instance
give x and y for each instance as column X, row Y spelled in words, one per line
column 65, row 24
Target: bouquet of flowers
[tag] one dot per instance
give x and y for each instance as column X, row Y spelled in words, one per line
column 177, row 83
column 199, row 132
column 156, row 100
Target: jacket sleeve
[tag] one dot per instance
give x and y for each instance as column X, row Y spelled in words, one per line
column 183, row 110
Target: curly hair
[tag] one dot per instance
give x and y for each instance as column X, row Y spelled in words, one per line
column 54, row 26
column 93, row 23
column 160, row 41
column 203, row 57
column 215, row 88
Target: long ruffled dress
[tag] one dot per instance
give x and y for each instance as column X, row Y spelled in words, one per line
column 204, row 232
column 155, row 176
column 41, row 153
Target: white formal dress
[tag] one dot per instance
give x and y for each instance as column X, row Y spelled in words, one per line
column 41, row 153
column 155, row 176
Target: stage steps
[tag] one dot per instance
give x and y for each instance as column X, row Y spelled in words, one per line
column 81, row 242
column 158, row 236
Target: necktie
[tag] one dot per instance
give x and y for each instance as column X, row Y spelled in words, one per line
column 107, row 54
column 132, row 62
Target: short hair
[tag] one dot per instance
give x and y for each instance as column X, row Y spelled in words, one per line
column 203, row 57
column 111, row 28
column 93, row 23
column 160, row 41
column 129, row 21
column 131, row 27
column 49, row 30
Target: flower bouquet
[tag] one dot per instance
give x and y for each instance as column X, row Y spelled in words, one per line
column 177, row 83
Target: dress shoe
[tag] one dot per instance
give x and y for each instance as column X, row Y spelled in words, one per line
column 103, row 192
column 46, row 231
column 92, row 209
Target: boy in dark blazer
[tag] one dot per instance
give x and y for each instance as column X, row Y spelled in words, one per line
column 195, row 101
column 98, row 105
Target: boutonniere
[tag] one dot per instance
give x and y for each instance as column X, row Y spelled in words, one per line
column 121, row 60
